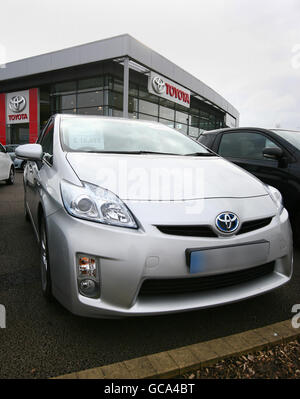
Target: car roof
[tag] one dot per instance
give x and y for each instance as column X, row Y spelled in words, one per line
column 284, row 130
column 232, row 129
column 105, row 117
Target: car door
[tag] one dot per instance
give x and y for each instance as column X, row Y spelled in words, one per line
column 33, row 170
column 4, row 163
column 245, row 149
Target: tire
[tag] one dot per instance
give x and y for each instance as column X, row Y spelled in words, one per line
column 11, row 178
column 26, row 214
column 296, row 230
column 44, row 263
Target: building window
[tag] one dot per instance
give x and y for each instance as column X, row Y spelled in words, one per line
column 118, row 85
column 166, row 113
column 148, row 117
column 167, row 122
column 89, row 99
column 103, row 95
column 133, row 105
column 193, row 121
column 117, row 113
column 146, row 107
column 145, row 95
column 181, row 127
column 91, row 84
column 182, row 117
column 68, row 111
column 133, row 89
column 193, row 131
column 115, row 100
column 91, row 111
column 67, row 102
column 65, row 87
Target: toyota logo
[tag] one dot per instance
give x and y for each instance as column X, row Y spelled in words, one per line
column 158, row 85
column 227, row 222
column 17, row 104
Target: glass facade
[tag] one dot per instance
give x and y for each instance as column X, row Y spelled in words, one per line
column 103, row 95
column 17, row 134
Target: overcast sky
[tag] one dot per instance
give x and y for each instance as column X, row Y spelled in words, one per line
column 246, row 50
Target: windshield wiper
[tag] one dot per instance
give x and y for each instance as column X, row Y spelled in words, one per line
column 201, row 154
column 154, row 152
column 138, row 152
column 130, row 152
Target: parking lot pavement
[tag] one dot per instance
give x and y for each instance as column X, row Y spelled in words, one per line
column 43, row 340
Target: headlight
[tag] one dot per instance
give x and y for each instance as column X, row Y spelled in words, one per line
column 276, row 197
column 95, row 203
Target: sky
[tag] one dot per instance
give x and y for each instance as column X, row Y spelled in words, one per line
column 246, row 50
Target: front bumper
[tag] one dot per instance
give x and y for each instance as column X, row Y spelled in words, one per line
column 128, row 257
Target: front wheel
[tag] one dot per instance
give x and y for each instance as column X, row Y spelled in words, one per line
column 296, row 229
column 26, row 214
column 44, row 262
column 11, row 178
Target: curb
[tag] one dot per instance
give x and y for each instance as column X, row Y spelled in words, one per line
column 176, row 362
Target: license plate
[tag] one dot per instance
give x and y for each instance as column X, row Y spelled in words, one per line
column 227, row 258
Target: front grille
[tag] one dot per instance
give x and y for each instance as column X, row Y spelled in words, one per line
column 254, row 225
column 206, row 231
column 189, row 285
column 190, row 231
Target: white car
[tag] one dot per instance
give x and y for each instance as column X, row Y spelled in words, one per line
column 134, row 218
column 7, row 170
column 18, row 163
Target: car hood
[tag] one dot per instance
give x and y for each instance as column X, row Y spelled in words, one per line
column 165, row 178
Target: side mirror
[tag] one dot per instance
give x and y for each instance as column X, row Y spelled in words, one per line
column 273, row 153
column 30, row 152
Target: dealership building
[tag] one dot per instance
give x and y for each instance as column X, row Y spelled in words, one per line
column 118, row 77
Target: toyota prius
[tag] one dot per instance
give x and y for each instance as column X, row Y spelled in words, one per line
column 135, row 218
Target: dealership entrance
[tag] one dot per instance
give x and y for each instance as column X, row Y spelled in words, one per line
column 19, row 116
column 17, row 134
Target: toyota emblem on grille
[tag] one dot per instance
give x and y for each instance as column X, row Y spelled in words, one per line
column 17, row 104
column 227, row 222
column 158, row 85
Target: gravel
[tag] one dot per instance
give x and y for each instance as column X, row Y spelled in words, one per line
column 280, row 362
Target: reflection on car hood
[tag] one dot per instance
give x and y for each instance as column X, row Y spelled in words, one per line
column 165, row 178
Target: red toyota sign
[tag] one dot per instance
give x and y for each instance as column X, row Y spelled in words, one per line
column 169, row 90
column 17, row 107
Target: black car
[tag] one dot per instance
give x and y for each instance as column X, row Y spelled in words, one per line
column 271, row 155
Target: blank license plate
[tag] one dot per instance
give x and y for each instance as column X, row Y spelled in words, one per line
column 228, row 258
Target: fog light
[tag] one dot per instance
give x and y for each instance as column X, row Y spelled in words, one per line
column 87, row 266
column 88, row 287
column 88, row 275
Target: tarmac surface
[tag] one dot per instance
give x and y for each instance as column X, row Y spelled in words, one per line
column 44, row 340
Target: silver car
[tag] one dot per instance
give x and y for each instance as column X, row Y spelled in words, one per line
column 135, row 218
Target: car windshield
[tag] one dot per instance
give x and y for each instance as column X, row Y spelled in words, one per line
column 11, row 148
column 117, row 136
column 291, row 136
